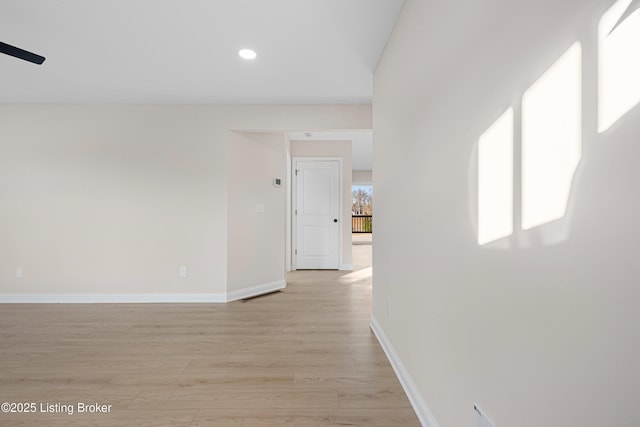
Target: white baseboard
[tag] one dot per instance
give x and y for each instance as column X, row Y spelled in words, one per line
column 420, row 407
column 140, row 298
column 346, row 267
column 264, row 288
column 110, row 298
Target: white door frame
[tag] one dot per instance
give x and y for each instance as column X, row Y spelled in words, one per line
column 294, row 206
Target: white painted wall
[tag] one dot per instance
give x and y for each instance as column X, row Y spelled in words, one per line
column 256, row 249
column 114, row 199
column 334, row 149
column 361, row 177
column 287, row 185
column 537, row 334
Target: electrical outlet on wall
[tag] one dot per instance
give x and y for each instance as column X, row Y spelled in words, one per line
column 480, row 418
column 183, row 272
column 19, row 272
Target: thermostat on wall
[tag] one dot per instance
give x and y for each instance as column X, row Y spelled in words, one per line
column 277, row 182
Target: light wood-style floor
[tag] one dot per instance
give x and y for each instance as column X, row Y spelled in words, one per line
column 303, row 357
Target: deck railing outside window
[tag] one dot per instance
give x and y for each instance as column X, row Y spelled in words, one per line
column 361, row 223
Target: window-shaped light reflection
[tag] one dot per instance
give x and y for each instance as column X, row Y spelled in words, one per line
column 551, row 139
column 619, row 62
column 495, row 180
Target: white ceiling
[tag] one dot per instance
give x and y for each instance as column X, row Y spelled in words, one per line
column 186, row 51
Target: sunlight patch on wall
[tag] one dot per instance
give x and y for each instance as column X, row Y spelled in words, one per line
column 551, row 139
column 619, row 62
column 495, row 180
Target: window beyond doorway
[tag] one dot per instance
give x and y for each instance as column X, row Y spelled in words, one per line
column 361, row 209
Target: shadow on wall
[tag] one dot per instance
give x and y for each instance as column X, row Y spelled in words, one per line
column 525, row 179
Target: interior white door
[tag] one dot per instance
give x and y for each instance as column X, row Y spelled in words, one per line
column 318, row 214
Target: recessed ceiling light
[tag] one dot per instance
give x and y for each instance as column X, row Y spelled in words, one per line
column 247, row 54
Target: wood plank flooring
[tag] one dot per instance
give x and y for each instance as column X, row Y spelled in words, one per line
column 302, row 357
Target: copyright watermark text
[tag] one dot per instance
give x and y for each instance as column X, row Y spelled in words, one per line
column 55, row 408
